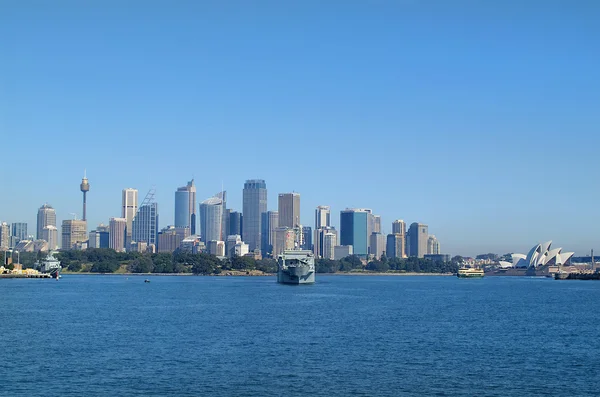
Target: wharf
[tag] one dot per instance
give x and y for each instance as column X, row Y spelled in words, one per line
column 580, row 276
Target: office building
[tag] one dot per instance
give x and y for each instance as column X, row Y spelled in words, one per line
column 417, row 236
column 117, row 234
column 211, row 219
column 342, row 251
column 216, row 248
column 46, row 216
column 235, row 223
column 395, row 246
column 270, row 222
column 74, row 233
column 145, row 224
column 254, row 204
column 378, row 242
column 433, row 246
column 129, row 207
column 318, row 244
column 19, row 231
column 4, row 236
column 100, row 238
column 376, row 219
column 50, row 235
column 192, row 244
column 289, row 209
column 322, row 217
column 399, row 227
column 285, row 239
column 306, row 241
column 185, row 207
column 230, row 243
column 354, row 224
column 329, row 243
column 170, row 238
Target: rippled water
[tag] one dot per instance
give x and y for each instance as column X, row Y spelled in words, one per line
column 345, row 335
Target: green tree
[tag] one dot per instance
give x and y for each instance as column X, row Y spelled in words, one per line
column 142, row 264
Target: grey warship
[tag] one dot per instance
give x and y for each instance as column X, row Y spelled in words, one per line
column 296, row 267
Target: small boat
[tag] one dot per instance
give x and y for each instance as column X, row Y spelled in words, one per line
column 146, row 281
column 469, row 273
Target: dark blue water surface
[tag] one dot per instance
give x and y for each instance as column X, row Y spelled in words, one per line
column 345, row 335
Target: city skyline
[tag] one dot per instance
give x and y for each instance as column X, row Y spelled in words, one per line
column 430, row 112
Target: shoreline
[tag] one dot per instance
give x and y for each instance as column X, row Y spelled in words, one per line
column 243, row 274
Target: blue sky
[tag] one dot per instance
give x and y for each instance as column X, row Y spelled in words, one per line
column 479, row 118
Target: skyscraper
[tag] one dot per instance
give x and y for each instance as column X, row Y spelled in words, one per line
column 289, row 209
column 329, row 243
column 395, row 246
column 50, row 234
column 418, row 235
column 185, row 207
column 322, row 217
column 319, row 241
column 235, row 223
column 128, row 210
column 378, row 242
column 399, row 227
column 354, row 224
column 270, row 222
column 433, row 245
column 19, row 231
column 74, row 231
column 145, row 224
column 307, row 238
column 100, row 238
column 254, row 204
column 84, row 187
column 211, row 219
column 117, row 234
column 46, row 216
column 4, row 235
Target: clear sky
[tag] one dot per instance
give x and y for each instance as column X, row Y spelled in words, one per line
column 478, row 118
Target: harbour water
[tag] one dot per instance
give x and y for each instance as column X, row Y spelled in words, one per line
column 342, row 336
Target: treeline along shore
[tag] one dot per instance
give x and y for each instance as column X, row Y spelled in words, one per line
column 104, row 260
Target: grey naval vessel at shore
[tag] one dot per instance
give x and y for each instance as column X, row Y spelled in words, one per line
column 296, row 267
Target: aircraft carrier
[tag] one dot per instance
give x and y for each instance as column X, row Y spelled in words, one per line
column 296, row 267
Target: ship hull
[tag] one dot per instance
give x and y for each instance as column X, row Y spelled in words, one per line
column 286, row 277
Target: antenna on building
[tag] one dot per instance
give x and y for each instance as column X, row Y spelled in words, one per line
column 74, row 215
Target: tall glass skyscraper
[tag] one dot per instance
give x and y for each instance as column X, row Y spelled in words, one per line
column 46, row 216
column 145, row 224
column 185, row 207
column 354, row 229
column 418, row 234
column 211, row 219
column 270, row 222
column 254, row 205
column 19, row 231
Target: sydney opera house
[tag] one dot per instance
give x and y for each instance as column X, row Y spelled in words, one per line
column 539, row 256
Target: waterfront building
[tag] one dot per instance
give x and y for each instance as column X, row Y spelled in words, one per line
column 46, row 216
column 307, row 244
column 378, row 242
column 418, row 235
column 145, row 224
column 50, row 235
column 342, row 251
column 117, row 234
column 270, row 222
column 4, row 236
column 74, row 232
column 254, row 204
column 329, row 244
column 353, row 229
column 19, row 231
column 433, row 246
column 211, row 219
column 318, row 245
column 235, row 223
column 129, row 207
column 395, row 246
column 185, row 207
column 216, row 248
column 289, row 209
column 322, row 217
